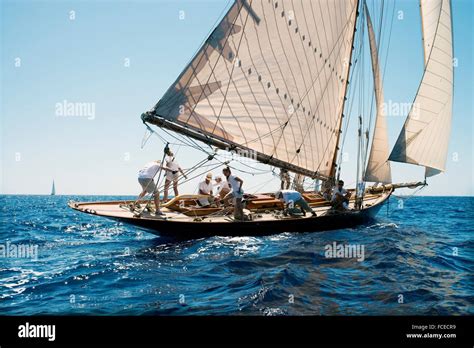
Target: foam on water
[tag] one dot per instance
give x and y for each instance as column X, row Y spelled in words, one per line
column 89, row 265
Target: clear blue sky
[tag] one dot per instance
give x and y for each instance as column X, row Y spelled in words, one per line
column 83, row 60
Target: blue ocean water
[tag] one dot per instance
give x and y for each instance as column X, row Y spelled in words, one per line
column 418, row 261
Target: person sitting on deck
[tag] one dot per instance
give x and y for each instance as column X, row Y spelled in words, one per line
column 326, row 190
column 172, row 174
column 222, row 187
column 292, row 196
column 235, row 194
column 205, row 188
column 285, row 179
column 340, row 197
column 145, row 179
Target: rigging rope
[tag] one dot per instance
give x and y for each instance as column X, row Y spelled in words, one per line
column 214, row 154
column 406, row 198
column 200, row 47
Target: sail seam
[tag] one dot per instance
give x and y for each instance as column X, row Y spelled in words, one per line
column 235, row 86
column 425, row 71
column 212, row 69
column 300, row 99
column 311, row 86
column 190, row 64
column 317, row 109
column 330, row 54
column 253, row 93
column 230, row 76
column 290, row 92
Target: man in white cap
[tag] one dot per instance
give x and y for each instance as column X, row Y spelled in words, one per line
column 205, row 188
column 222, row 187
column 236, row 193
column 172, row 175
column 340, row 197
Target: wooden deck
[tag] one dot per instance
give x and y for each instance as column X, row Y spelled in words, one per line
column 262, row 208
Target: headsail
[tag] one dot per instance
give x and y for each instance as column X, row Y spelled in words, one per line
column 271, row 78
column 425, row 135
column 378, row 167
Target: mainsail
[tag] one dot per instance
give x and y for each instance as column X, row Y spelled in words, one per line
column 271, row 78
column 378, row 167
column 425, row 134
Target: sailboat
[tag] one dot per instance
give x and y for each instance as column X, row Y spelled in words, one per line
column 272, row 79
column 53, row 190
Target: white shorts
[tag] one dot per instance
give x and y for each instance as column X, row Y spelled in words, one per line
column 148, row 185
column 172, row 177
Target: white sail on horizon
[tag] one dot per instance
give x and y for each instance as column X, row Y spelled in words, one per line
column 424, row 137
column 272, row 77
column 378, row 166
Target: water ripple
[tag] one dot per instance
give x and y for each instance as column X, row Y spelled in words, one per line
column 416, row 262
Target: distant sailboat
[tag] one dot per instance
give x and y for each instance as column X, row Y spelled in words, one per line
column 272, row 79
column 53, row 190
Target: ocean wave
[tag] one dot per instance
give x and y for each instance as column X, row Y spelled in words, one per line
column 88, row 265
column 384, row 225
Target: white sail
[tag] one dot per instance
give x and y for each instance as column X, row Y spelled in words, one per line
column 378, row 167
column 272, row 77
column 425, row 135
column 53, row 189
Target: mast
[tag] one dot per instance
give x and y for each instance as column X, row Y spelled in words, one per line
column 334, row 160
column 359, row 179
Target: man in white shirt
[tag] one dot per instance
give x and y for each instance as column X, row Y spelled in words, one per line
column 340, row 197
column 172, row 174
column 145, row 179
column 205, row 188
column 292, row 196
column 222, row 187
column 235, row 194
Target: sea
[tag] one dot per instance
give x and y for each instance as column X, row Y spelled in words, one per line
column 416, row 258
